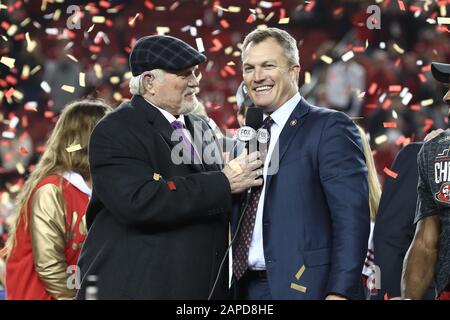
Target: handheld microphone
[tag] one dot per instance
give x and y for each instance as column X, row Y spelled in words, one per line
column 253, row 121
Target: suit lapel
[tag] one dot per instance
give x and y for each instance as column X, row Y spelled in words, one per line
column 292, row 125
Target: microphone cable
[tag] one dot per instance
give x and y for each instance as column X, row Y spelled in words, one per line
column 231, row 243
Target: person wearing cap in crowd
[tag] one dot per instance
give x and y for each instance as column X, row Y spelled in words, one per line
column 158, row 217
column 428, row 256
column 303, row 235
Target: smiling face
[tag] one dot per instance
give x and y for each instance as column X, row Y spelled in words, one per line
column 174, row 92
column 268, row 75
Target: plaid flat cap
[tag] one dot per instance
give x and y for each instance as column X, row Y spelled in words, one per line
column 163, row 52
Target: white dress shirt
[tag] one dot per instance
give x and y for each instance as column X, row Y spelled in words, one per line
column 256, row 259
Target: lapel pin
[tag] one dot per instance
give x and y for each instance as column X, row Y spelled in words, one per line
column 156, row 176
column 293, row 122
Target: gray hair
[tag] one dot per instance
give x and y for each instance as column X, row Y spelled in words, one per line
column 284, row 39
column 136, row 87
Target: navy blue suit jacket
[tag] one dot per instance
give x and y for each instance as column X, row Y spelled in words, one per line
column 316, row 213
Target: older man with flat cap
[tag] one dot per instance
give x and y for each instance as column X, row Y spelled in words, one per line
column 429, row 254
column 158, row 217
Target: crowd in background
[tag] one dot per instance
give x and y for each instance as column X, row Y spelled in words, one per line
column 380, row 77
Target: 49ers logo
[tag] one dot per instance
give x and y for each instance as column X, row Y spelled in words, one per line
column 444, row 193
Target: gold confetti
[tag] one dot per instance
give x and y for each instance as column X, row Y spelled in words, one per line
column 300, row 272
column 162, row 30
column 117, row 96
column 269, row 16
column 98, row 19
column 98, row 71
column 128, row 75
column 20, row 168
column 381, row 139
column 231, row 63
column 307, row 77
column 73, row 148
column 12, row 30
column 18, row 95
column 2, row 6
column 443, row 20
column 7, row 61
column 57, row 15
column 82, row 79
column 91, row 27
column 398, row 48
column 426, row 103
column 67, row 88
column 114, row 80
column 234, row 9
column 30, row 43
column 283, row 21
column 298, row 287
column 326, row 59
column 71, row 57
column 231, row 99
column 228, row 50
column 35, row 69
column 156, row 176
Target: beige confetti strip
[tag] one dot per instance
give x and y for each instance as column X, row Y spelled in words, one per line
column 20, row 168
column 283, row 21
column 71, row 57
column 67, row 88
column 426, row 103
column 82, row 79
column 73, row 148
column 307, row 77
column 298, row 287
column 326, row 59
column 7, row 61
column 300, row 272
column 234, row 9
column 398, row 48
column 31, row 45
column 443, row 20
column 98, row 19
column 91, row 27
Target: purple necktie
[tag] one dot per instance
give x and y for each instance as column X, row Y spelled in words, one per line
column 179, row 126
column 245, row 233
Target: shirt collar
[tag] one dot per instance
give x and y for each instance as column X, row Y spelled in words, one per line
column 282, row 114
column 170, row 117
column 77, row 181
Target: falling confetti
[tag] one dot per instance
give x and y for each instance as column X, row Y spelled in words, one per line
column 390, row 173
column 73, row 148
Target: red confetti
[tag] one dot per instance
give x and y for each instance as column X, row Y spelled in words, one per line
column 338, row 11
column 386, row 104
column 310, row 6
column 149, row 5
column 428, row 123
column 217, row 45
column 171, row 185
column 12, row 80
column 422, row 78
column 10, row 92
column 104, row 4
column 415, row 107
column 23, row 151
column 401, row 5
column 224, row 23
column 174, row 6
column 282, row 13
column 373, row 87
column 386, row 297
column 390, row 173
column 390, row 124
column 426, row 68
column 395, row 88
column 95, row 49
column 251, row 18
column 230, row 70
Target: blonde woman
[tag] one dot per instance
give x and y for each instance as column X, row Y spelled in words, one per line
column 374, row 201
column 50, row 227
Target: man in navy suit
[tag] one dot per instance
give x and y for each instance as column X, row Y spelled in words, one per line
column 303, row 235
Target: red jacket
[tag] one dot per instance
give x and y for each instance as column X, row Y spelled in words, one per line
column 50, row 242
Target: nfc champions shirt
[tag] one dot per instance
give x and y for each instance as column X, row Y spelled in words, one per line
column 434, row 197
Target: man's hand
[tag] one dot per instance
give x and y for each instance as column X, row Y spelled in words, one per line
column 243, row 172
column 433, row 134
